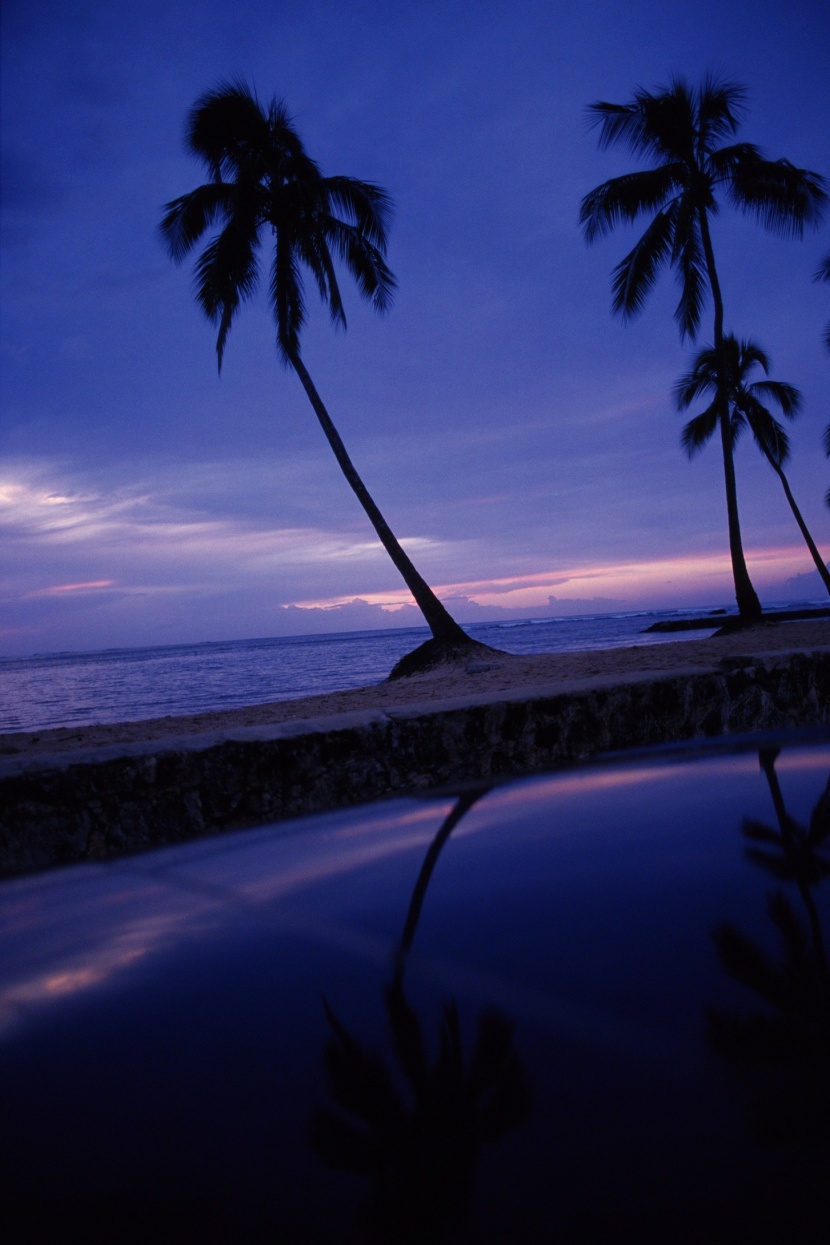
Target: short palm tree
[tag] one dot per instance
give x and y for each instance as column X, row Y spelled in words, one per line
column 680, row 129
column 742, row 400
column 263, row 187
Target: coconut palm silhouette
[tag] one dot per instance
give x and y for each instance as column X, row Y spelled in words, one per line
column 744, row 408
column 680, row 128
column 265, row 190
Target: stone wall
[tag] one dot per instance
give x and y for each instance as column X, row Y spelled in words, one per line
column 71, row 807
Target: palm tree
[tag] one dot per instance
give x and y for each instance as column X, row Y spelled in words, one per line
column 263, row 187
column 680, row 128
column 741, row 401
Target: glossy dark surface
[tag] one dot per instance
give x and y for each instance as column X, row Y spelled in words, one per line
column 508, row 1016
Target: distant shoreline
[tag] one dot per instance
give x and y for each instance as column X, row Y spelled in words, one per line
column 726, row 622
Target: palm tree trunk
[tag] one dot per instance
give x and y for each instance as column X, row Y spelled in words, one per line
column 811, row 544
column 749, row 607
column 460, row 809
column 441, row 623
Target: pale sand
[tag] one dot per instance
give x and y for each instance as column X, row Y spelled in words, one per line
column 505, row 677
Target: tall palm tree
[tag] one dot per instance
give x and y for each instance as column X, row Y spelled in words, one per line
column 741, row 400
column 264, row 188
column 680, row 128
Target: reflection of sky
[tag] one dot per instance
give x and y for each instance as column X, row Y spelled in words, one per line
column 76, row 931
column 80, row 930
column 522, row 442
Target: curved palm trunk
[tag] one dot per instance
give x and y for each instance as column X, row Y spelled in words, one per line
column 749, row 606
column 441, row 623
column 811, row 544
column 460, row 809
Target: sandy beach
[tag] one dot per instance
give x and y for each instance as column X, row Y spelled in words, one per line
column 498, row 676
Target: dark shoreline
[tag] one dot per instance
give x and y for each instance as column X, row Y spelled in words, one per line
column 727, row 623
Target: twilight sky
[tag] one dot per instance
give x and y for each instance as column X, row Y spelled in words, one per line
column 521, row 442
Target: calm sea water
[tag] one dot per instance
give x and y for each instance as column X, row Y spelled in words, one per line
column 120, row 685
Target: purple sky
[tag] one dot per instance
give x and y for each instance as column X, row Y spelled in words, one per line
column 520, row 440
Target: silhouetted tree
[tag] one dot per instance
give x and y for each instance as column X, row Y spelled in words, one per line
column 744, row 408
column 265, row 189
column 680, row 127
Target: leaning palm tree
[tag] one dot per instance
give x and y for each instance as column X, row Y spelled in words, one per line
column 263, row 187
column 680, row 128
column 742, row 401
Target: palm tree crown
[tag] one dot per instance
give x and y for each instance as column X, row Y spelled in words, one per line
column 262, row 179
column 680, row 129
column 745, row 398
column 728, row 378
column 263, row 185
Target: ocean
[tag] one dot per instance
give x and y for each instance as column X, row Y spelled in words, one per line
column 121, row 685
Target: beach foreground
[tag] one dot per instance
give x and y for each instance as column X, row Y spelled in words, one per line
column 102, row 791
column 498, row 675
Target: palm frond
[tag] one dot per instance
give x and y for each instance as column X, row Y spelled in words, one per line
column 617, row 123
column 700, row 430
column 692, row 277
column 363, row 204
column 782, row 198
column 313, row 250
column 722, row 163
column 744, row 355
column 226, row 274
column 702, row 379
column 720, row 108
column 769, row 435
column 287, row 297
column 622, row 199
column 364, row 261
column 823, row 271
column 785, row 396
column 634, row 277
column 187, row 218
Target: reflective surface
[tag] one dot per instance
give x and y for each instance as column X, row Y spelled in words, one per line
column 593, row 1006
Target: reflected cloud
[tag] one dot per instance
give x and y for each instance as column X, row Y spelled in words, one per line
column 101, row 936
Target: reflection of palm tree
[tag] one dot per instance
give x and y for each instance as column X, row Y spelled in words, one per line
column 419, row 1148
column 680, row 128
column 743, row 406
column 792, row 1040
column 274, row 189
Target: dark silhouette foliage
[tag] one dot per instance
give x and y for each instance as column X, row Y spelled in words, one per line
column 265, row 191
column 686, row 134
